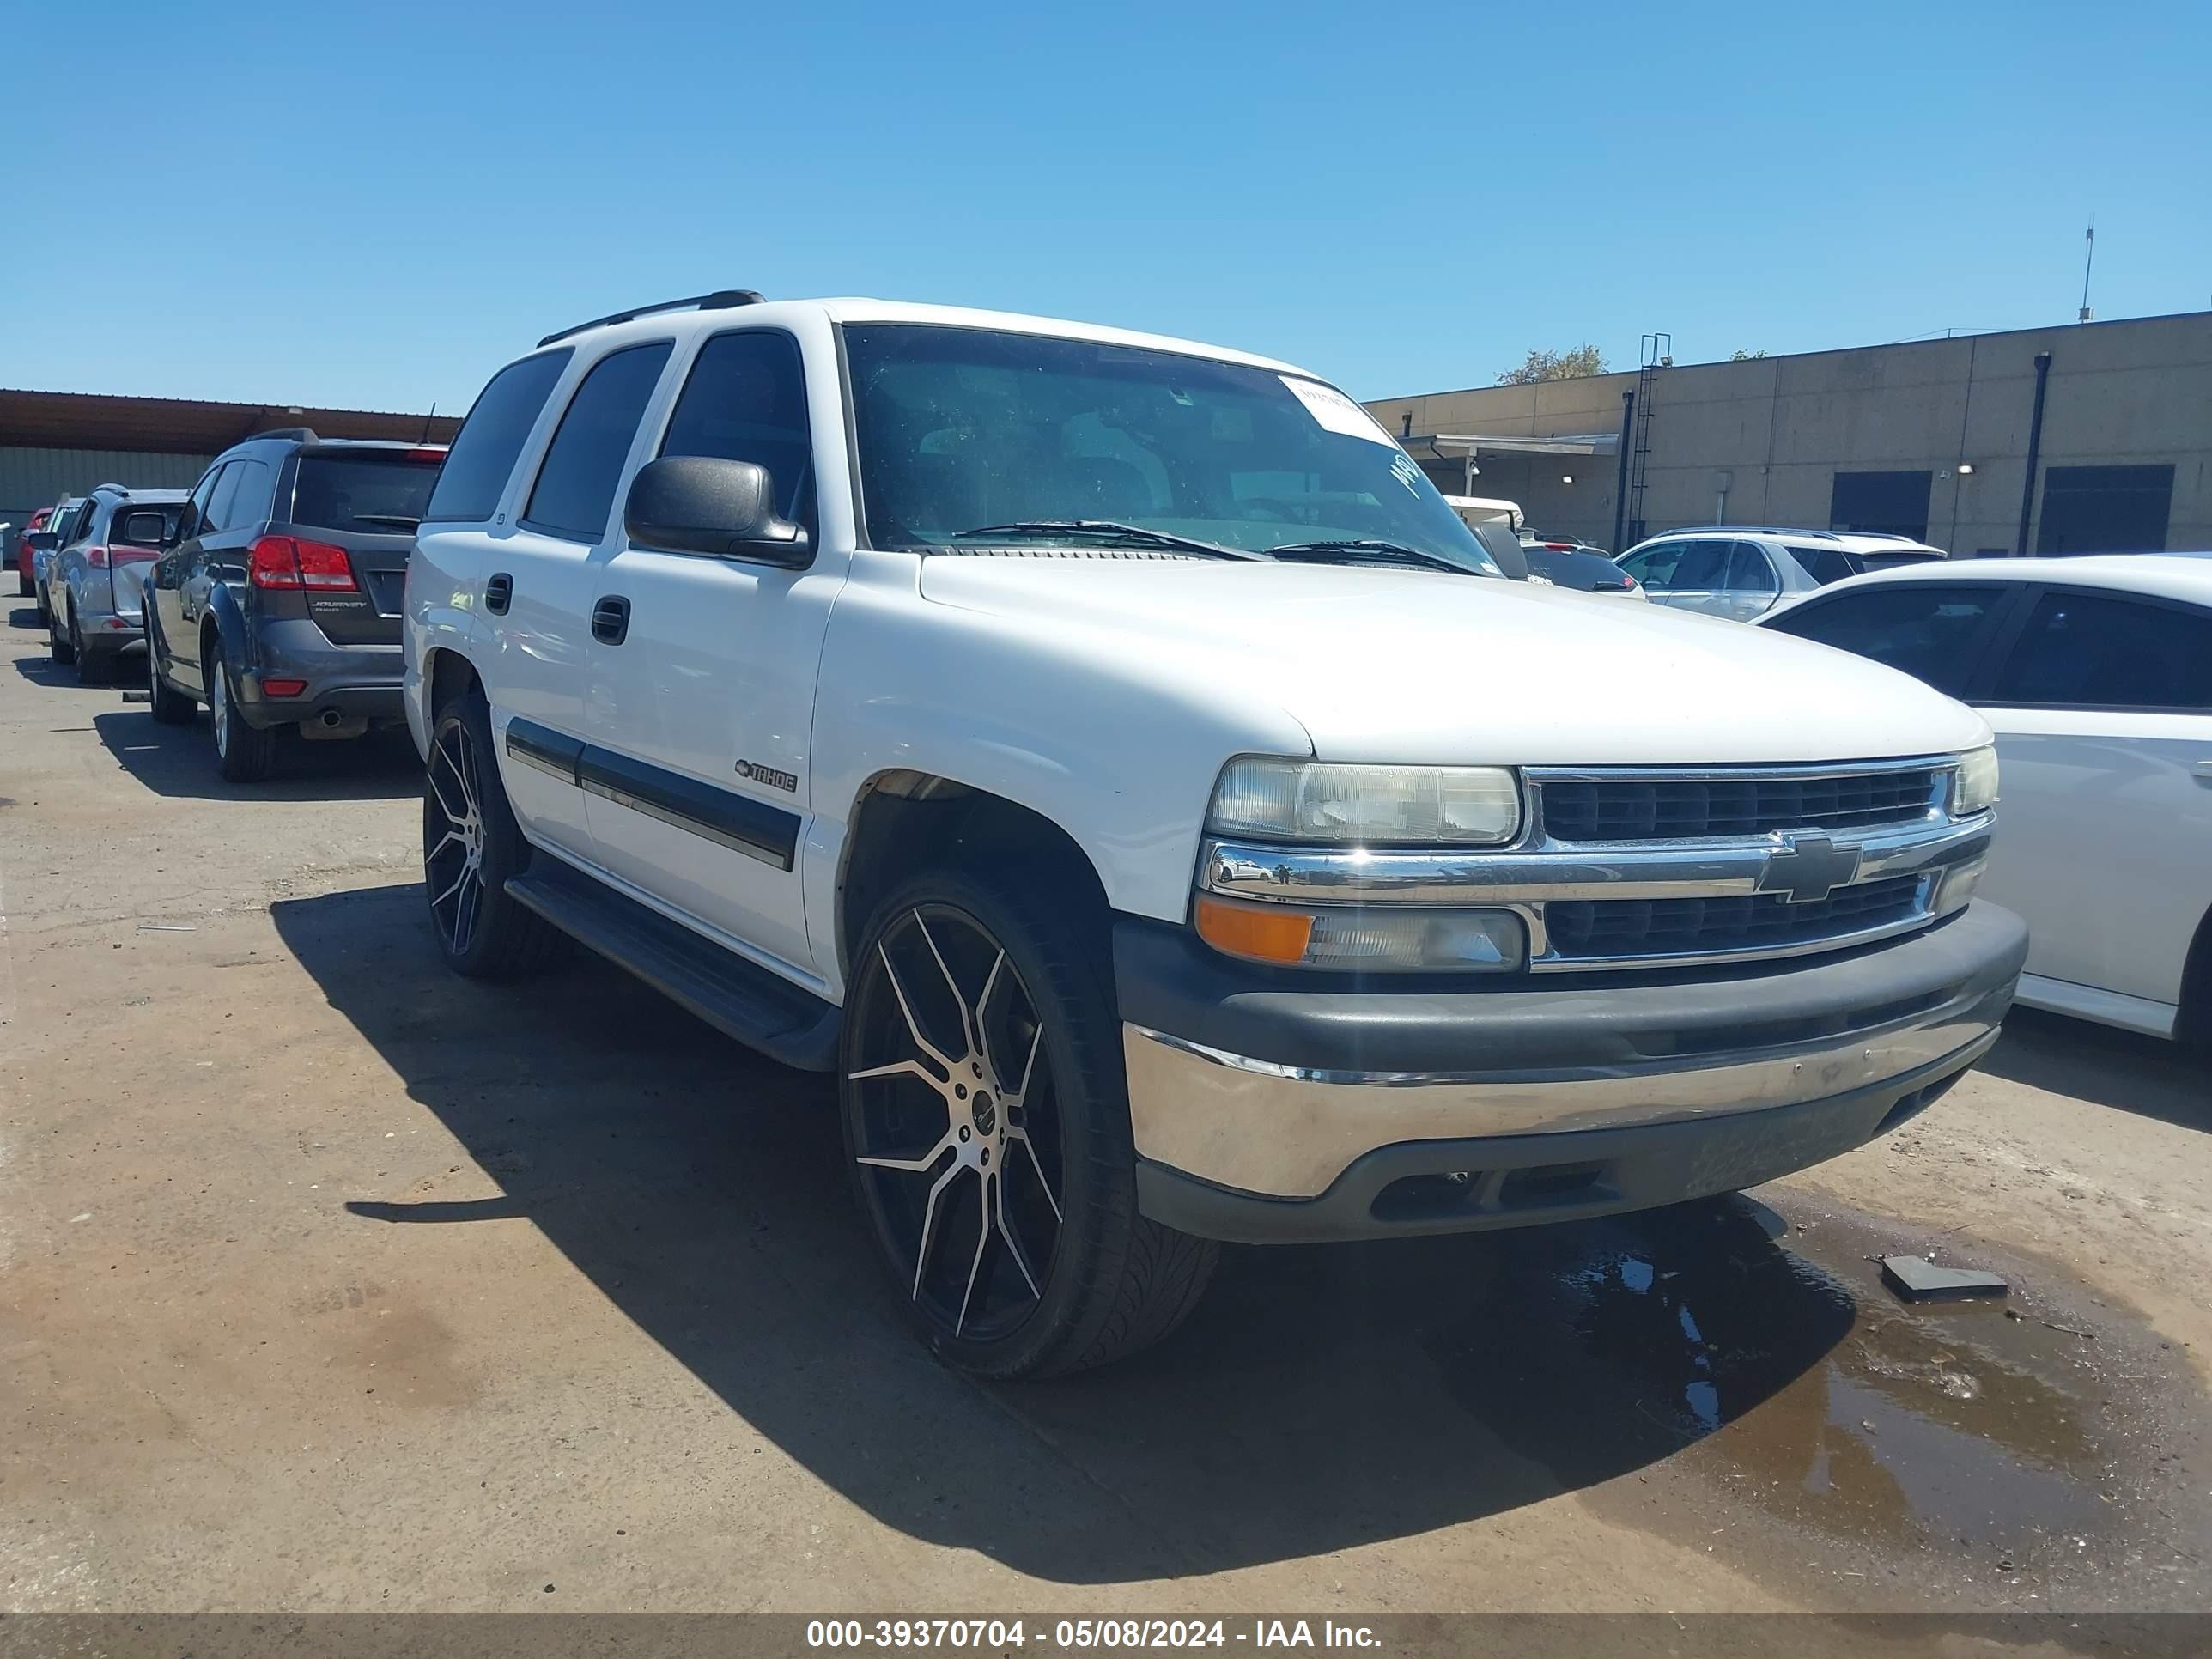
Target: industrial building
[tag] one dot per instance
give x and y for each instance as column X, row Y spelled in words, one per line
column 54, row 444
column 2092, row 437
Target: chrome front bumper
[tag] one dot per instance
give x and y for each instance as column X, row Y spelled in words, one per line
column 1489, row 1084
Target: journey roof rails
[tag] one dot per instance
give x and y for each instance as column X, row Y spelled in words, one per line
column 720, row 299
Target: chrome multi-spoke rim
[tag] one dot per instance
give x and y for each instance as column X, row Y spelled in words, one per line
column 219, row 707
column 955, row 1123
column 453, row 837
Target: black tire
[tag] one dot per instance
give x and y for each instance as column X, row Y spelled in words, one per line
column 1034, row 986
column 23, row 586
column 243, row 753
column 91, row 669
column 64, row 651
column 168, row 706
column 471, row 845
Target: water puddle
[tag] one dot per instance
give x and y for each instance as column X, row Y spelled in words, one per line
column 1769, row 1360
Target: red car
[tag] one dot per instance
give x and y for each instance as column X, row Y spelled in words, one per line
column 23, row 550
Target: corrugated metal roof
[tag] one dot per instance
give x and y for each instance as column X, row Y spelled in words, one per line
column 79, row 419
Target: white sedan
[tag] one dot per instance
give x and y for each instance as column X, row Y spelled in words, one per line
column 2096, row 674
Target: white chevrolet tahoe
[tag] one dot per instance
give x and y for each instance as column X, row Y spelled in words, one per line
column 1112, row 758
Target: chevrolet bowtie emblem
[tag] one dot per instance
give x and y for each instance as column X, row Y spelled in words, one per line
column 1806, row 868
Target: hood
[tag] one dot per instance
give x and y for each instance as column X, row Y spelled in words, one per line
column 1426, row 667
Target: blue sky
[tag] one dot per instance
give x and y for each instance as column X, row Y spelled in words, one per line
column 375, row 206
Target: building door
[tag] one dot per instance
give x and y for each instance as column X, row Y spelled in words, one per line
column 2105, row 509
column 1889, row 504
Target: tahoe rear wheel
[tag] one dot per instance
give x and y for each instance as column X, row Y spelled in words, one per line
column 471, row 845
column 987, row 1123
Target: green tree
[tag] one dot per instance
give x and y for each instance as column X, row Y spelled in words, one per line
column 1740, row 356
column 1556, row 365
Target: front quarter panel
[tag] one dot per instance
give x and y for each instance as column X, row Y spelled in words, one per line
column 1116, row 741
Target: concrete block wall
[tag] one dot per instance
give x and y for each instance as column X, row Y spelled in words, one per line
column 2133, row 392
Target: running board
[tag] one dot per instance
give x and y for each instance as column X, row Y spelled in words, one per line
column 734, row 996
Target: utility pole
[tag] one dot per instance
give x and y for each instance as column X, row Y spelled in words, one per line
column 2088, row 259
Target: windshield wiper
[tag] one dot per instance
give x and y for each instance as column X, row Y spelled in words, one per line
column 1379, row 551
column 399, row 518
column 1104, row 529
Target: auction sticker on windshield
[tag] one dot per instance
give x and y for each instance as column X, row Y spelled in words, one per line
column 1336, row 412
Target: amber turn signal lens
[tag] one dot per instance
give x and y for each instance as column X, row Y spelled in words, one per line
column 1265, row 933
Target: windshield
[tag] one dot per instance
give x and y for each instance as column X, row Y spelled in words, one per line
column 963, row 429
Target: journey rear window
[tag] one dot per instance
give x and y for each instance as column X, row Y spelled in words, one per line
column 371, row 495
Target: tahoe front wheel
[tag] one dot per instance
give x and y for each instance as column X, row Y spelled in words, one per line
column 986, row 1125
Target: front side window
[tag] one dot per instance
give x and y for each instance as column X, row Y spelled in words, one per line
column 199, row 511
column 2099, row 651
column 1704, row 568
column 576, row 487
column 964, row 429
column 1926, row 630
column 745, row 400
column 1655, row 567
column 484, row 450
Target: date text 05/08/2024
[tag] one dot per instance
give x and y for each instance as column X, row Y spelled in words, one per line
column 1000, row 1634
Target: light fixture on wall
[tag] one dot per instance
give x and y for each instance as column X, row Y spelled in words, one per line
column 1566, row 478
column 1966, row 469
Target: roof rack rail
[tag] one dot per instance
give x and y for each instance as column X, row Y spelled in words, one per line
column 720, row 299
column 306, row 435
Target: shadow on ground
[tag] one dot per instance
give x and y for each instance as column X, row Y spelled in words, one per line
column 2148, row 1076
column 179, row 761
column 1322, row 1398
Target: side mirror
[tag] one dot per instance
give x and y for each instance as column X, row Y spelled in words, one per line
column 706, row 504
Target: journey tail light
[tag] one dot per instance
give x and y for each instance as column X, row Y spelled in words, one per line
column 292, row 562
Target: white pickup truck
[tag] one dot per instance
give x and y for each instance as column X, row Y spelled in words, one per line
column 1111, row 758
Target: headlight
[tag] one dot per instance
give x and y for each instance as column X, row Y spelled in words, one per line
column 1375, row 938
column 1977, row 789
column 1366, row 806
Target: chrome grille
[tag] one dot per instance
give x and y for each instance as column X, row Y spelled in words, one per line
column 1605, row 929
column 1684, row 808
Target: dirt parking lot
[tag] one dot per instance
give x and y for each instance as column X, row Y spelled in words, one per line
column 330, row 1282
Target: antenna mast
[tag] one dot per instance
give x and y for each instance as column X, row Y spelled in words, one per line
column 2088, row 259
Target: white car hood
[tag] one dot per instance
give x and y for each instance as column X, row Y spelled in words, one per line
column 1420, row 666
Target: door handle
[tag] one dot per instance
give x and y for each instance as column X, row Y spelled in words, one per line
column 498, row 594
column 2203, row 771
column 610, row 620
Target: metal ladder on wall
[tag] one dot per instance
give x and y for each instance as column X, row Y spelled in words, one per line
column 1657, row 353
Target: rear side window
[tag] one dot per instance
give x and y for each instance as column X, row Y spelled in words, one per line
column 370, row 494
column 1926, row 630
column 576, row 487
column 248, row 486
column 144, row 526
column 484, row 451
column 1824, row 564
column 745, row 400
column 1750, row 571
column 2093, row 651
